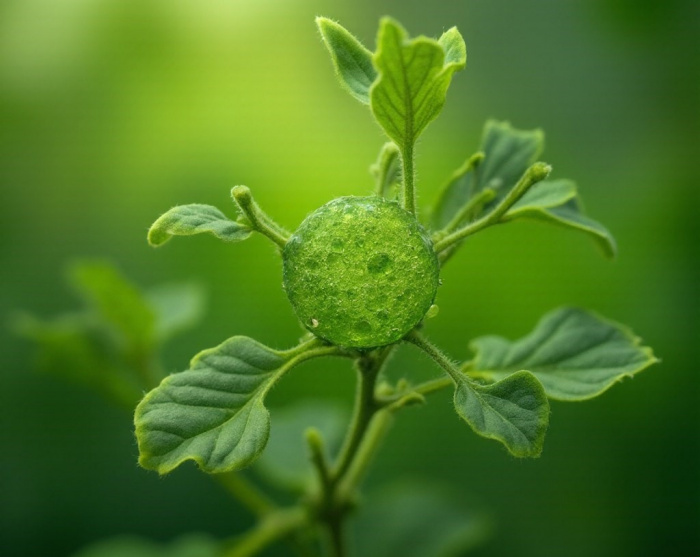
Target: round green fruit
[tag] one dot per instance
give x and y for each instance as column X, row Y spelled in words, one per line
column 360, row 272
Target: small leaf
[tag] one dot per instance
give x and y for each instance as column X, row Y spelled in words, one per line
column 413, row 79
column 570, row 215
column 387, row 170
column 513, row 411
column 351, row 60
column 417, row 519
column 213, row 413
column 177, row 307
column 508, row 153
column 116, row 300
column 575, row 355
column 187, row 220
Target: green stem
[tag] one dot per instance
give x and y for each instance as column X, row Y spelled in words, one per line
column 247, row 493
column 536, row 173
column 435, row 353
column 259, row 221
column 275, row 526
column 472, row 206
column 409, row 198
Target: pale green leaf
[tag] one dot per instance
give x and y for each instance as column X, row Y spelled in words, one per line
column 351, row 60
column 513, row 411
column 213, row 413
column 116, row 300
column 570, row 215
column 177, row 307
column 413, row 79
column 508, row 153
column 417, row 519
column 187, row 220
column 286, row 459
column 576, row 355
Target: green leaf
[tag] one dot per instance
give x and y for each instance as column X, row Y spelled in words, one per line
column 351, row 60
column 387, row 170
column 513, row 411
column 508, row 153
column 570, row 215
column 187, row 220
column 177, row 307
column 413, row 79
column 214, row 412
column 576, row 355
column 417, row 519
column 542, row 196
column 286, row 459
column 116, row 300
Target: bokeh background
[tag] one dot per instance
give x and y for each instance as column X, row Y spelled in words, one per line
column 112, row 111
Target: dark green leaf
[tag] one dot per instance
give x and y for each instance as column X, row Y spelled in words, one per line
column 513, row 411
column 570, row 215
column 351, row 60
column 413, row 79
column 214, row 412
column 575, row 355
column 417, row 519
column 508, row 154
column 187, row 220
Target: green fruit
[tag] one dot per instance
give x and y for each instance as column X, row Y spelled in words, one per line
column 360, row 272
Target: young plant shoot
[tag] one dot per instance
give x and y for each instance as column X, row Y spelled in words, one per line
column 362, row 274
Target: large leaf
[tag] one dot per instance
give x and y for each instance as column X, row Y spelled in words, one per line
column 413, row 79
column 214, row 412
column 508, row 153
column 417, row 519
column 186, row 220
column 351, row 60
column 575, row 355
column 513, row 411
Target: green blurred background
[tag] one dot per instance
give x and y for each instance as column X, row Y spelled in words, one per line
column 112, row 111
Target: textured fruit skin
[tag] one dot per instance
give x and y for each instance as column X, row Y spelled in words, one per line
column 360, row 272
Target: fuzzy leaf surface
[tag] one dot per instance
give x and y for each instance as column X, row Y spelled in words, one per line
column 508, row 153
column 187, row 220
column 351, row 60
column 575, row 354
column 212, row 413
column 513, row 411
column 413, row 79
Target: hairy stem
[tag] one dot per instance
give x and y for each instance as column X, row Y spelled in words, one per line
column 409, row 189
column 259, row 221
column 275, row 526
column 536, row 173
